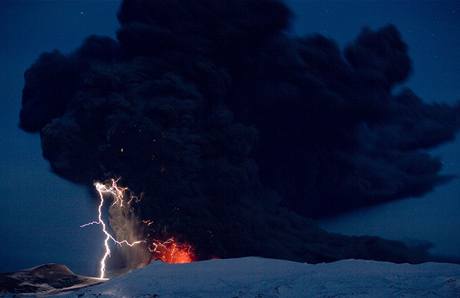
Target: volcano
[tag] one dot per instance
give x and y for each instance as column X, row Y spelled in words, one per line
column 234, row 132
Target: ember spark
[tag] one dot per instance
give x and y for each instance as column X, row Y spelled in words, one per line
column 170, row 251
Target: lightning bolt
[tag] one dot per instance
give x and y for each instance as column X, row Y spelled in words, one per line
column 118, row 194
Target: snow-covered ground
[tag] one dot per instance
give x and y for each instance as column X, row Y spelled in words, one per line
column 258, row 277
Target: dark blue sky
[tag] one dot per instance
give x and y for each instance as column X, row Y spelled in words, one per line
column 41, row 213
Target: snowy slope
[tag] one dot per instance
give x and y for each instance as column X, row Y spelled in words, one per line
column 258, row 277
column 44, row 279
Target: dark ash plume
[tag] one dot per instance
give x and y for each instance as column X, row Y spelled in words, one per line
column 219, row 118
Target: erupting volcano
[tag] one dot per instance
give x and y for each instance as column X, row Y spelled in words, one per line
column 235, row 132
column 193, row 130
column 169, row 251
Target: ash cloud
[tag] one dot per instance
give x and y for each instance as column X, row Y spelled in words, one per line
column 235, row 131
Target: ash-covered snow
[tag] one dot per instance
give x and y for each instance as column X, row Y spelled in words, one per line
column 258, row 277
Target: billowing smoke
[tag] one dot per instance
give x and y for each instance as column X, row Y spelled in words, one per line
column 126, row 226
column 234, row 130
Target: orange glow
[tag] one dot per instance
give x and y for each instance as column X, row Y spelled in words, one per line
column 170, row 251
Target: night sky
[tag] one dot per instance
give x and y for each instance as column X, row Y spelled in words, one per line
column 41, row 213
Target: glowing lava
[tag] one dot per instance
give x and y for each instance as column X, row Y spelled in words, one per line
column 170, row 251
column 118, row 194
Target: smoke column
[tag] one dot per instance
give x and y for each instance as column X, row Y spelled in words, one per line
column 236, row 132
